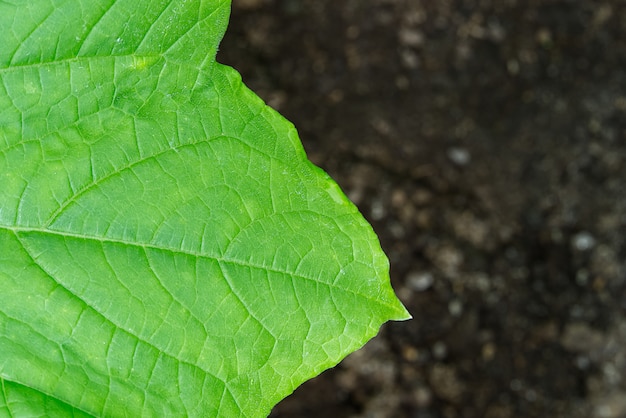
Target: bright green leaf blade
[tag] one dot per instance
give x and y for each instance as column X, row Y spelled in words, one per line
column 20, row 401
column 166, row 248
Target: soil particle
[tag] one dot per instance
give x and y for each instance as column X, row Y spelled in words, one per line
column 445, row 383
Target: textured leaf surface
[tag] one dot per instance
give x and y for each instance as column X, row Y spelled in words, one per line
column 166, row 249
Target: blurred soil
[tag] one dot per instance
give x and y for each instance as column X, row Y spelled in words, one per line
column 486, row 143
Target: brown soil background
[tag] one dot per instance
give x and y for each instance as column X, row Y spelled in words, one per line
column 486, row 143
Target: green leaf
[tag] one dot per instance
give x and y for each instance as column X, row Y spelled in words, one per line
column 166, row 248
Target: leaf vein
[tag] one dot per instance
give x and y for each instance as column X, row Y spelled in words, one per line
column 93, row 25
column 214, row 257
column 102, row 315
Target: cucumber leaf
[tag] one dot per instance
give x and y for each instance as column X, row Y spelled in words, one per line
column 166, row 248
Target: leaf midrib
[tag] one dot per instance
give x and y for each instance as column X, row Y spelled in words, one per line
column 21, row 67
column 219, row 258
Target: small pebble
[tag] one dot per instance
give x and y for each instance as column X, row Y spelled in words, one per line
column 459, row 156
column 420, row 281
column 583, row 241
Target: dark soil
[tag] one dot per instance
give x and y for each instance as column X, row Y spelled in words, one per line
column 485, row 141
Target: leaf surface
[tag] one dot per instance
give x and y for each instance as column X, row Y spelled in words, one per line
column 166, row 248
